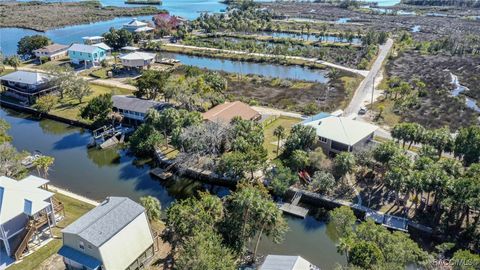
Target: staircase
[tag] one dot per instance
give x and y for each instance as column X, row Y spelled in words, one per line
column 31, row 227
column 296, row 198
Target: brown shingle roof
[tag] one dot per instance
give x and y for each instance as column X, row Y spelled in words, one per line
column 226, row 111
column 53, row 48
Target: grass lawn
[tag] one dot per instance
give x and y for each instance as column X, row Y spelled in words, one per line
column 350, row 84
column 388, row 117
column 73, row 210
column 70, row 108
column 270, row 142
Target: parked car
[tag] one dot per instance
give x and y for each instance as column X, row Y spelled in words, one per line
column 362, row 110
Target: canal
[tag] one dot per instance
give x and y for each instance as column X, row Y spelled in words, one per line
column 100, row 173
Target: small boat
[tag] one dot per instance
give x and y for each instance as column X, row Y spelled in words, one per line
column 29, row 161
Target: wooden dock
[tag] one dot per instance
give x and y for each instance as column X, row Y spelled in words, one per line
column 161, row 173
column 294, row 210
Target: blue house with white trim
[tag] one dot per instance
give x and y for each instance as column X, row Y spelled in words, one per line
column 87, row 55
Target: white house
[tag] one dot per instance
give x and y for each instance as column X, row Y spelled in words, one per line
column 338, row 133
column 90, row 40
column 53, row 51
column 115, row 235
column 134, row 109
column 280, row 262
column 136, row 26
column 138, row 59
column 27, row 85
column 27, row 210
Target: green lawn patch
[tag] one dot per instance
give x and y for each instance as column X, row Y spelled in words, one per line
column 270, row 142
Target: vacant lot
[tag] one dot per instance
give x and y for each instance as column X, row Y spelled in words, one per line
column 42, row 16
column 438, row 108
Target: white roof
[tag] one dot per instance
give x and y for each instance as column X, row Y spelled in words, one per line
column 92, row 38
column 14, row 195
column 144, row 29
column 102, row 45
column 138, row 56
column 136, row 22
column 341, row 129
column 280, row 262
column 130, row 48
column 84, row 48
column 27, row 77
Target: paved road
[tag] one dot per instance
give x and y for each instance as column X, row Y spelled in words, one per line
column 313, row 60
column 365, row 87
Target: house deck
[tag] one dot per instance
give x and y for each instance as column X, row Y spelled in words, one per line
column 294, row 210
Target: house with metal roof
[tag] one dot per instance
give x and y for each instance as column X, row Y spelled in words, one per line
column 27, row 210
column 115, row 235
column 227, row 111
column 27, row 85
column 139, row 60
column 136, row 26
column 135, row 109
column 87, row 55
column 52, row 51
column 281, row 262
column 90, row 40
column 338, row 133
column 104, row 46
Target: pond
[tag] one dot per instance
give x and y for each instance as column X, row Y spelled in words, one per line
column 263, row 69
column 97, row 174
column 459, row 88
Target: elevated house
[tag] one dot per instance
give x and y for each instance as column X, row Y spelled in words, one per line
column 136, row 26
column 27, row 214
column 27, row 85
column 138, row 60
column 135, row 109
column 87, row 55
column 338, row 133
column 90, row 40
column 167, row 22
column 281, row 262
column 104, row 46
column 52, row 52
column 115, row 235
column 227, row 111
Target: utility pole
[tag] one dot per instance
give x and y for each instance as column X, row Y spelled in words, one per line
column 373, row 90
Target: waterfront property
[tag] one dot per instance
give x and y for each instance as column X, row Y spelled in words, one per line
column 136, row 26
column 338, row 133
column 281, row 262
column 138, row 60
column 134, row 109
column 227, row 111
column 87, row 55
column 27, row 215
column 115, row 235
column 52, row 52
column 26, row 85
column 103, row 46
column 92, row 40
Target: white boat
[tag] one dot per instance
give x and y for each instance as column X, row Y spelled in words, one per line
column 30, row 160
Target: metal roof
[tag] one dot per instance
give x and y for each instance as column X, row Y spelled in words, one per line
column 138, row 56
column 135, row 22
column 102, row 45
column 52, row 48
column 136, row 104
column 27, row 77
column 227, row 111
column 106, row 220
column 341, row 129
column 84, row 48
column 79, row 257
column 280, row 262
column 16, row 195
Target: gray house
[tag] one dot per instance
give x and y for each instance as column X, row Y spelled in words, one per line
column 27, row 85
column 282, row 262
column 338, row 133
column 115, row 235
column 135, row 109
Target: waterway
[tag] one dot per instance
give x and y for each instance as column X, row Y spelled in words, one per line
column 459, row 88
column 97, row 174
column 312, row 37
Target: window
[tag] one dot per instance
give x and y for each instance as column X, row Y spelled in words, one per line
column 322, row 139
column 81, row 245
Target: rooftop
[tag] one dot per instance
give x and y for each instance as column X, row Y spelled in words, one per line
column 280, row 262
column 52, row 48
column 105, row 220
column 135, row 22
column 144, row 29
column 24, row 196
column 83, row 48
column 136, row 104
column 138, row 56
column 27, row 77
column 102, row 45
column 227, row 111
column 93, row 38
column 130, row 48
column 340, row 129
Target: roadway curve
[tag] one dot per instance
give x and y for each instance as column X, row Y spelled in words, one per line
column 365, row 87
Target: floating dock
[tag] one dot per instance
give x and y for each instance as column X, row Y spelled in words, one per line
column 161, row 173
column 294, row 210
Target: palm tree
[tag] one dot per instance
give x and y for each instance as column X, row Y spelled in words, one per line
column 279, row 132
column 43, row 164
column 152, row 207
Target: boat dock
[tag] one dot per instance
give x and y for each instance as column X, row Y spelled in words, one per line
column 161, row 173
column 293, row 208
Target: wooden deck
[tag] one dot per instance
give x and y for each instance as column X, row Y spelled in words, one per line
column 161, row 173
column 294, row 210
